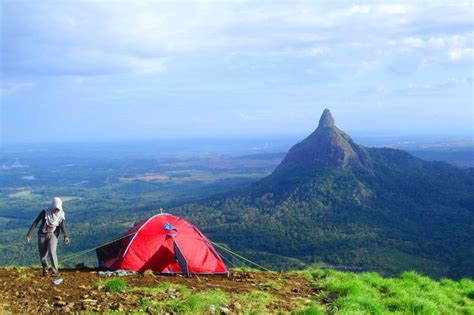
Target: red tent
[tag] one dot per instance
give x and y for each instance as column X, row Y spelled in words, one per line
column 164, row 243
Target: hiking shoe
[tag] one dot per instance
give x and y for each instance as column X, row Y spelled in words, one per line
column 44, row 273
column 55, row 274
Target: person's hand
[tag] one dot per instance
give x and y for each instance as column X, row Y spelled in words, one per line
column 28, row 238
column 67, row 240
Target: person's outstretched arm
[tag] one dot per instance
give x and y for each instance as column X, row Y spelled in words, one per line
column 62, row 229
column 33, row 226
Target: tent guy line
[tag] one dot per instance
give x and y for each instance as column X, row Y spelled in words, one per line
column 239, row 256
column 230, row 252
column 203, row 239
column 83, row 252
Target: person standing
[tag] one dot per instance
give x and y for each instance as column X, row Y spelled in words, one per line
column 52, row 224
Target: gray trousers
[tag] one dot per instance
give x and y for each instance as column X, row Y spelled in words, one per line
column 47, row 245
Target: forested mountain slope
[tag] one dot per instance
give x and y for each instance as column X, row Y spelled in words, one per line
column 334, row 201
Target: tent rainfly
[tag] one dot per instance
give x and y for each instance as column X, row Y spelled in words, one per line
column 163, row 243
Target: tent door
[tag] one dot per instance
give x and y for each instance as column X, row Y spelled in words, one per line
column 180, row 258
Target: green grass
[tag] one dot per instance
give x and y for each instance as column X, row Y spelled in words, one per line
column 17, row 268
column 113, row 284
column 23, row 277
column 246, row 269
column 313, row 309
column 144, row 303
column 168, row 297
column 196, row 303
column 255, row 302
column 411, row 293
column 200, row 302
column 337, row 293
column 276, row 285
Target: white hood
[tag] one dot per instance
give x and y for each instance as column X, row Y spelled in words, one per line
column 54, row 219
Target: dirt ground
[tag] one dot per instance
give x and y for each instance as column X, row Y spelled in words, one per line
column 25, row 291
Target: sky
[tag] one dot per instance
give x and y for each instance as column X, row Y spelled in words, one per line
column 123, row 70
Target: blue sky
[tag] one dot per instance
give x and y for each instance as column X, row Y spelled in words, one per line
column 111, row 70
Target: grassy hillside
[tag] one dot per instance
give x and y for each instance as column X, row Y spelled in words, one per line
column 370, row 293
column 313, row 291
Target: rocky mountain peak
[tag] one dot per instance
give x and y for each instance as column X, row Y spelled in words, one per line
column 326, row 119
column 328, row 145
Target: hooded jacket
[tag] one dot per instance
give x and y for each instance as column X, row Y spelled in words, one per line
column 47, row 215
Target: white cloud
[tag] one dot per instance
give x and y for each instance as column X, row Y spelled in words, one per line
column 315, row 51
column 88, row 38
column 462, row 54
column 438, row 48
column 394, row 8
column 413, row 42
column 360, row 9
